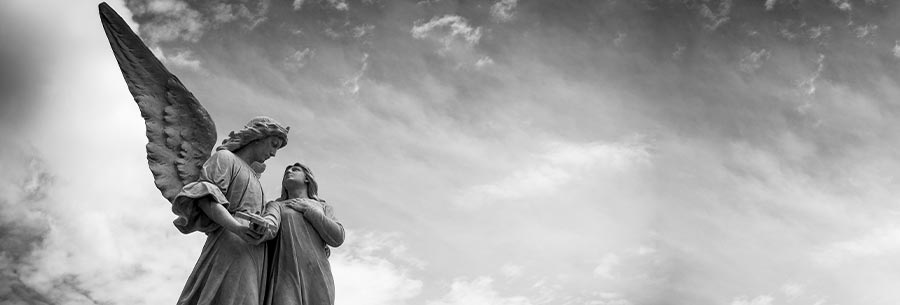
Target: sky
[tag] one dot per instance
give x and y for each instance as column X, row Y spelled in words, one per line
column 507, row 152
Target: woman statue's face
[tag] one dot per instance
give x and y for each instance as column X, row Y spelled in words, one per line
column 294, row 175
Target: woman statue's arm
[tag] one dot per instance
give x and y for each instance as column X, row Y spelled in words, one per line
column 330, row 230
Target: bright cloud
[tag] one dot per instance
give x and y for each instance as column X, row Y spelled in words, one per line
column 172, row 20
column 478, row 291
column 605, row 268
column 759, row 300
column 879, row 242
column 373, row 268
column 561, row 163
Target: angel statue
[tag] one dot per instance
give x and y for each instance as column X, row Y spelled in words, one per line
column 206, row 189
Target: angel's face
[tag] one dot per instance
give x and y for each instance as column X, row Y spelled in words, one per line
column 269, row 147
column 265, row 148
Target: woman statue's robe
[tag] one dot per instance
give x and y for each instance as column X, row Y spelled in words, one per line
column 230, row 271
column 299, row 272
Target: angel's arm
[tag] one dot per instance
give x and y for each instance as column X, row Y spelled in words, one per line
column 331, row 231
column 218, row 170
column 272, row 214
column 220, row 215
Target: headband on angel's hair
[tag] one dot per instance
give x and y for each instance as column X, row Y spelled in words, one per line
column 258, row 128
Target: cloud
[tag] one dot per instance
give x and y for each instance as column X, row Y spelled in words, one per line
column 679, row 51
column 843, row 5
column 300, row 58
column 511, row 270
column 808, row 85
column 229, row 12
column 24, row 223
column 620, row 39
column 792, row 290
column 753, row 61
column 374, row 268
column 404, row 133
column 865, row 30
column 604, row 269
column 169, row 20
column 820, row 31
column 223, row 13
column 759, row 300
column 183, row 59
column 340, row 5
column 362, row 30
column 448, row 30
column 478, row 291
column 483, row 62
column 770, row 4
column 352, row 84
column 879, row 242
column 896, row 49
column 94, row 233
column 298, row 4
column 715, row 18
column 559, row 164
column 502, row 10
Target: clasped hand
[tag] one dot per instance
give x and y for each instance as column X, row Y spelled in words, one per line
column 303, row 205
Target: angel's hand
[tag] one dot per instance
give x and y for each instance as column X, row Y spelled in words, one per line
column 257, row 223
column 246, row 233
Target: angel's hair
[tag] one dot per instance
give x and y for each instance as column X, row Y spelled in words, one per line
column 258, row 128
column 312, row 187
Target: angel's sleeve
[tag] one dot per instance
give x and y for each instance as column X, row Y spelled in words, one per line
column 215, row 179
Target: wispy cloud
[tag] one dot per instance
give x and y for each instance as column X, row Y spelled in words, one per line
column 449, row 30
column 300, row 58
column 717, row 14
column 753, row 61
column 503, row 10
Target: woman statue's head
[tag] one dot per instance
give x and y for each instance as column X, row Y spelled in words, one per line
column 297, row 177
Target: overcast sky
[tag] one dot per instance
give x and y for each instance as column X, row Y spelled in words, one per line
column 480, row 152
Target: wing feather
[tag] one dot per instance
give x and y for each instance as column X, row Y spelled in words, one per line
column 180, row 132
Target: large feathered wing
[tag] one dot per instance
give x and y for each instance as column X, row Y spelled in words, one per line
column 180, row 132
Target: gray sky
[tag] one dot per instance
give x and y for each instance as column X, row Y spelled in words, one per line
column 484, row 152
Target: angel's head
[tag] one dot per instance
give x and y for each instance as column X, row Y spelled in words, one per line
column 260, row 150
column 297, row 178
column 258, row 141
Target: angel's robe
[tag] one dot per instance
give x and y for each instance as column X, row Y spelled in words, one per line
column 299, row 272
column 229, row 271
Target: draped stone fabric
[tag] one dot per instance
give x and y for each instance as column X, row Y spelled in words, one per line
column 229, row 271
column 299, row 272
